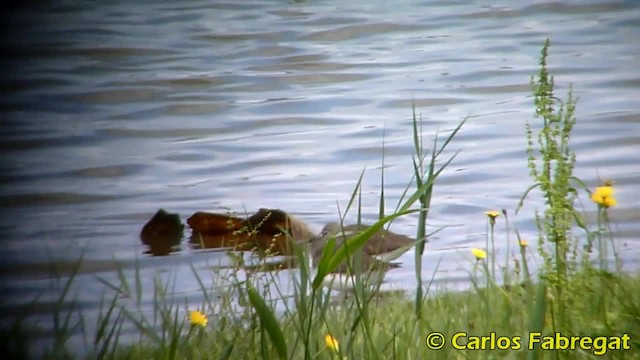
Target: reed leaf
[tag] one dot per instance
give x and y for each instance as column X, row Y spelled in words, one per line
column 268, row 321
column 349, row 247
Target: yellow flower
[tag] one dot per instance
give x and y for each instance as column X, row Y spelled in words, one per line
column 610, row 202
column 197, row 318
column 332, row 343
column 523, row 243
column 604, row 191
column 492, row 214
column 603, row 196
column 479, row 253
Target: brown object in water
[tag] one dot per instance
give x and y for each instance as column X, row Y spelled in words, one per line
column 210, row 223
column 268, row 230
column 382, row 247
column 383, row 244
column 243, row 241
column 162, row 234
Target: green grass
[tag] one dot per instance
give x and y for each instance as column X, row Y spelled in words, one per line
column 399, row 335
column 574, row 292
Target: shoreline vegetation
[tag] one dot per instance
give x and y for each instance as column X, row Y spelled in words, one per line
column 578, row 302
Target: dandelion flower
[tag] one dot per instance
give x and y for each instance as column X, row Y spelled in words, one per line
column 332, row 343
column 479, row 253
column 523, row 243
column 604, row 191
column 197, row 318
column 603, row 196
column 492, row 214
column 610, row 202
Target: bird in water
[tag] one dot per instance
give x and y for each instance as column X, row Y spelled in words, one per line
column 376, row 257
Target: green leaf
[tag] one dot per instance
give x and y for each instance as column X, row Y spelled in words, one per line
column 268, row 321
column 226, row 353
column 526, row 193
column 537, row 316
column 327, row 265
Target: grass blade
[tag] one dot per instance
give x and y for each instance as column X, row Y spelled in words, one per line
column 537, row 317
column 268, row 321
column 350, row 247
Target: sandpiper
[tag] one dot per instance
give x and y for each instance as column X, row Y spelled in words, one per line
column 384, row 245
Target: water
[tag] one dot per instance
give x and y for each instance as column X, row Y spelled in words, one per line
column 112, row 111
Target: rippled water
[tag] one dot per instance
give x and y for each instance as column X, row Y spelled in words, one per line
column 112, row 111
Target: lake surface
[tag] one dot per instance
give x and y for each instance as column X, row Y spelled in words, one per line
column 112, row 111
